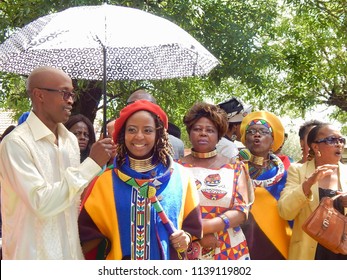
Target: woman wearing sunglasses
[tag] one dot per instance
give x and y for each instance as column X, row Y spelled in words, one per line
column 308, row 183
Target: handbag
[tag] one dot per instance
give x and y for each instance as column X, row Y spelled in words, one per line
column 328, row 226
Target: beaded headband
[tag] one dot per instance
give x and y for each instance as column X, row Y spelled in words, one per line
column 262, row 122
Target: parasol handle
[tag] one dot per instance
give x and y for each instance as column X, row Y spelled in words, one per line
column 170, row 228
column 104, row 93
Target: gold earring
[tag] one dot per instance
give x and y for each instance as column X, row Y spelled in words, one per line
column 319, row 154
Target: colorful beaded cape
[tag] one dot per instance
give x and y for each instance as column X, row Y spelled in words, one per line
column 144, row 193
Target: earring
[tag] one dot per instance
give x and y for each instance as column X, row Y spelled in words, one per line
column 319, row 154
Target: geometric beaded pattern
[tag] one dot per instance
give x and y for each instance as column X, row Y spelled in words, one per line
column 275, row 179
column 261, row 122
column 143, row 196
column 140, row 226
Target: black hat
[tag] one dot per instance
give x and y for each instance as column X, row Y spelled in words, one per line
column 235, row 109
column 174, row 130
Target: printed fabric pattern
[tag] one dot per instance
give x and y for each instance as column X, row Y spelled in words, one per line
column 218, row 192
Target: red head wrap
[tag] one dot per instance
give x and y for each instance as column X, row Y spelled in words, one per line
column 138, row 105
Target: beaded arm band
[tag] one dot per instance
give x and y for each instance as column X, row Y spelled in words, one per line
column 225, row 220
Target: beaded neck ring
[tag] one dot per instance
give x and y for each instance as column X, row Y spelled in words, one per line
column 204, row 155
column 274, row 180
column 141, row 165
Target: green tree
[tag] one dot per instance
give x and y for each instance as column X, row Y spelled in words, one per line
column 286, row 57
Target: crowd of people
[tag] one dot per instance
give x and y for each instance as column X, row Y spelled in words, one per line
column 133, row 194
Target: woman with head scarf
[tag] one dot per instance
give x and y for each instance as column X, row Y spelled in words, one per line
column 224, row 188
column 307, row 183
column 83, row 129
column 146, row 206
column 266, row 232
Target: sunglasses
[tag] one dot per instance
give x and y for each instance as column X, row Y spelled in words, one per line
column 261, row 131
column 332, row 141
column 64, row 93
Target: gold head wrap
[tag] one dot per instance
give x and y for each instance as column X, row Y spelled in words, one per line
column 272, row 120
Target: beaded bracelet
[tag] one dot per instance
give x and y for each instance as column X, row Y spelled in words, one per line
column 225, row 220
column 189, row 235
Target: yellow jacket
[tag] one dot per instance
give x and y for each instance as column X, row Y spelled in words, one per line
column 294, row 205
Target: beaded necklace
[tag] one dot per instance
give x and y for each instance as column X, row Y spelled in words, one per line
column 255, row 172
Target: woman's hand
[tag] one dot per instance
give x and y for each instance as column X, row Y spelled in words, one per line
column 320, row 172
column 180, row 240
column 209, row 241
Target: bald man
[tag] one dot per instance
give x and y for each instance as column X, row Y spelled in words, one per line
column 41, row 175
column 141, row 94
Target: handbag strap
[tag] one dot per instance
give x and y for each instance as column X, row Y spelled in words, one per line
column 336, row 197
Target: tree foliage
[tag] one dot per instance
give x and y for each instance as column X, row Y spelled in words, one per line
column 286, row 57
